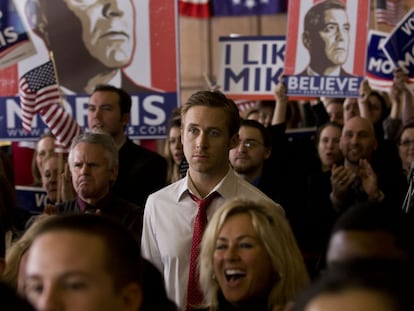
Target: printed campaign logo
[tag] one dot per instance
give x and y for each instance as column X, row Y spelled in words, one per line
column 399, row 45
column 380, row 69
column 250, row 67
column 323, row 56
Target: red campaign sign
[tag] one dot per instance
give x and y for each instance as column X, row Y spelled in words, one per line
column 131, row 44
column 134, row 46
column 328, row 52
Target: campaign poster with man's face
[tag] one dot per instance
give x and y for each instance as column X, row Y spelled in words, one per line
column 126, row 43
column 323, row 49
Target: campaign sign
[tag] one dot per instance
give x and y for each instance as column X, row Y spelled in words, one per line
column 380, row 68
column 32, row 199
column 131, row 44
column 399, row 46
column 250, row 67
column 15, row 43
column 323, row 48
column 149, row 116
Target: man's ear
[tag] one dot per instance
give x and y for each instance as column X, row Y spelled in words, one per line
column 114, row 174
column 234, row 141
column 268, row 152
column 307, row 42
column 132, row 297
column 125, row 119
column 37, row 19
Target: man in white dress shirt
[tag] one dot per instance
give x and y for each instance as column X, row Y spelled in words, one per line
column 210, row 124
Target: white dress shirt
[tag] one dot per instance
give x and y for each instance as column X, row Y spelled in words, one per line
column 168, row 227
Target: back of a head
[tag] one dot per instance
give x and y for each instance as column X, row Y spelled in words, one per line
column 387, row 279
column 356, row 232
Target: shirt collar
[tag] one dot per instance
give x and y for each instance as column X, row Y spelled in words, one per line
column 100, row 205
column 225, row 187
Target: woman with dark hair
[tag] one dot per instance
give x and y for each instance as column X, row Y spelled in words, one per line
column 173, row 148
column 44, row 147
column 308, row 206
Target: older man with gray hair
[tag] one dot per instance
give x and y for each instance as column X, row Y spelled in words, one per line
column 93, row 164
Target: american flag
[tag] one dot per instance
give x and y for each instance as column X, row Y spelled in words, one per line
column 389, row 12
column 61, row 124
column 39, row 92
column 38, row 89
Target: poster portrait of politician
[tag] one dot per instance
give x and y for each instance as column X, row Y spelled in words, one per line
column 100, row 41
column 131, row 44
column 325, row 39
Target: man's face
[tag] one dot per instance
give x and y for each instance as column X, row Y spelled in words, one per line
column 335, row 112
column 351, row 108
column 91, row 175
column 104, row 114
column 334, row 36
column 357, row 140
column 107, row 29
column 45, row 147
column 50, row 177
column 250, row 153
column 206, row 141
column 66, row 270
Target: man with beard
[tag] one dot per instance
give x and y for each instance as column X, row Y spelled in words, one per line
column 363, row 177
column 250, row 158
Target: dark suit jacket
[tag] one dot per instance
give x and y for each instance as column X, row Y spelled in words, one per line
column 131, row 87
column 112, row 206
column 141, row 172
column 342, row 72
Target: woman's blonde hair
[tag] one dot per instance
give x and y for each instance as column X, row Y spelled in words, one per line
column 16, row 251
column 278, row 240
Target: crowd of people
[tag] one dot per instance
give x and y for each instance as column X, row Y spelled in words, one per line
column 237, row 213
column 243, row 215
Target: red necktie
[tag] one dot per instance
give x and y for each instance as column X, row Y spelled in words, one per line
column 194, row 295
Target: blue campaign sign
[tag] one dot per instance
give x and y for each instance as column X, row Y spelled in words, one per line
column 15, row 43
column 250, row 66
column 399, row 45
column 149, row 116
column 329, row 86
column 32, row 199
column 380, row 68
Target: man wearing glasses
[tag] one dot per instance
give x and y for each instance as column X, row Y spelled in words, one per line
column 253, row 161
